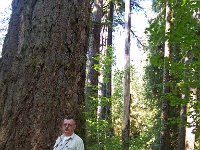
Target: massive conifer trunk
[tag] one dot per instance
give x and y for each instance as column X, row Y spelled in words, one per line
column 42, row 72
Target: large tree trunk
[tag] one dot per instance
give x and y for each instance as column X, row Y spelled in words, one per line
column 164, row 135
column 126, row 113
column 42, row 72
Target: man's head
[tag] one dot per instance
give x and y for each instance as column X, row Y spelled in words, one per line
column 68, row 126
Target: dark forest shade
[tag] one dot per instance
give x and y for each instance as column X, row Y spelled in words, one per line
column 42, row 72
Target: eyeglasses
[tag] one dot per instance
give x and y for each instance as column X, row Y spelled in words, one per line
column 68, row 124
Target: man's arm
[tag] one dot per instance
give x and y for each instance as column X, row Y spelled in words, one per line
column 80, row 145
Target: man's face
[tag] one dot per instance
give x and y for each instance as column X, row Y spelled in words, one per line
column 68, row 127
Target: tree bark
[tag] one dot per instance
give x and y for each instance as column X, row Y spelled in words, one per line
column 91, row 89
column 107, row 54
column 126, row 113
column 190, row 135
column 104, row 108
column 182, row 128
column 183, row 112
column 42, row 72
column 164, row 135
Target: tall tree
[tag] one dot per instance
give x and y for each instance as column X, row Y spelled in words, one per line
column 42, row 72
column 109, row 55
column 192, row 109
column 126, row 96
column 93, row 60
column 164, row 135
column 107, row 60
column 92, row 74
column 188, row 113
column 183, row 112
column 190, row 135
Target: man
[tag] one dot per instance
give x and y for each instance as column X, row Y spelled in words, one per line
column 69, row 140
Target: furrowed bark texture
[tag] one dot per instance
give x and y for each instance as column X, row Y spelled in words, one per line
column 42, row 72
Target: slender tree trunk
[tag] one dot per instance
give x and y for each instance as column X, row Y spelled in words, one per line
column 183, row 112
column 94, row 51
column 91, row 89
column 104, row 111
column 182, row 129
column 126, row 113
column 164, row 135
column 101, row 109
column 190, row 136
column 42, row 72
column 105, row 75
column 109, row 54
column 186, row 135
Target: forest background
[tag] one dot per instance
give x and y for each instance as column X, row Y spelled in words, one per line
column 163, row 77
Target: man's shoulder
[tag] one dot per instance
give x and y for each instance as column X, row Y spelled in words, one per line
column 77, row 137
column 59, row 137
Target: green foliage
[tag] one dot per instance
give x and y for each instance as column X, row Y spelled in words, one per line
column 153, row 85
column 142, row 116
column 106, row 60
column 117, row 101
column 97, row 127
column 184, row 41
column 145, row 109
column 110, row 144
